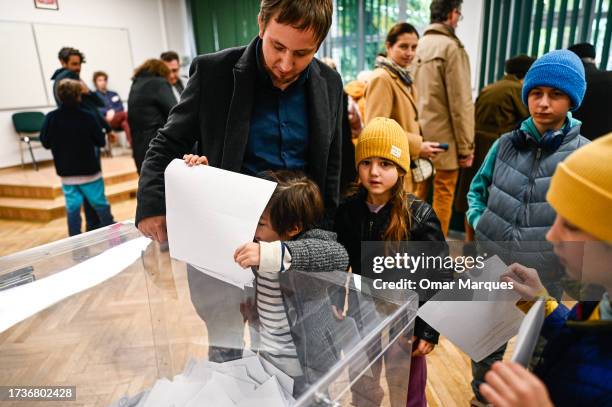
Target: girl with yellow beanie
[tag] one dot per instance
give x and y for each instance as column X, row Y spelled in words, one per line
column 380, row 209
column 576, row 365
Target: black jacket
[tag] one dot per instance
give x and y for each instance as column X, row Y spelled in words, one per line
column 149, row 104
column 72, row 135
column 89, row 101
column 215, row 110
column 356, row 224
column 594, row 113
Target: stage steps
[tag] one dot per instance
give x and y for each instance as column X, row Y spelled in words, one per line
column 37, row 195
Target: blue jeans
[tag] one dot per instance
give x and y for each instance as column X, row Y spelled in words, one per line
column 77, row 195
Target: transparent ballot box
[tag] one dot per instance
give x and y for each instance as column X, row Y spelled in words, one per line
column 107, row 318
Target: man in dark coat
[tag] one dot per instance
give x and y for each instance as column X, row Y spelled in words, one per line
column 173, row 62
column 595, row 110
column 268, row 105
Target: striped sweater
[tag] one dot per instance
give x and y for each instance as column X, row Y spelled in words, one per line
column 315, row 250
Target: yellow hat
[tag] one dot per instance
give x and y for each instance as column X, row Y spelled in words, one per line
column 581, row 189
column 383, row 138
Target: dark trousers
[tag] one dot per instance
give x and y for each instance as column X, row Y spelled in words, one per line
column 218, row 305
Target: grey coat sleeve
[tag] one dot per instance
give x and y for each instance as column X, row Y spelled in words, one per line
column 317, row 255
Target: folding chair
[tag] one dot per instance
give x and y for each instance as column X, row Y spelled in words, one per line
column 28, row 126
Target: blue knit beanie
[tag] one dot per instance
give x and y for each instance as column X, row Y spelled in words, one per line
column 560, row 69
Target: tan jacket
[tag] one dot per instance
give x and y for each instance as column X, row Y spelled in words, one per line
column 446, row 109
column 387, row 96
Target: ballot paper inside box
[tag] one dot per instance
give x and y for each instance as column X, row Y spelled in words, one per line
column 136, row 328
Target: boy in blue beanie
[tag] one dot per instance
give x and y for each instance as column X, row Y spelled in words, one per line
column 507, row 197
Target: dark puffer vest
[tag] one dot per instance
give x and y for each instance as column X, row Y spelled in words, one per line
column 517, row 210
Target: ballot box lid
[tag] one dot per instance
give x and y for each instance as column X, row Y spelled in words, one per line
column 108, row 318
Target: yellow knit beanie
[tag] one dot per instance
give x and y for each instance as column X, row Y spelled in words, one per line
column 581, row 188
column 383, row 138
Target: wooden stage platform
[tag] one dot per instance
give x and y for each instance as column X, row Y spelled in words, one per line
column 26, row 194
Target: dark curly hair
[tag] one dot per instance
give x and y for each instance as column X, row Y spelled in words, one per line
column 65, row 53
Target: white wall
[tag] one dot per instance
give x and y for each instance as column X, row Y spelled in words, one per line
column 154, row 26
column 179, row 37
column 469, row 32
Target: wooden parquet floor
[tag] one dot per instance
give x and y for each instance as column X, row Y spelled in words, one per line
column 103, row 341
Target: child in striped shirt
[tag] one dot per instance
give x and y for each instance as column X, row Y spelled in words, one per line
column 287, row 240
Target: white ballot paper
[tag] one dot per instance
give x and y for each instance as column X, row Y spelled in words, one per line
column 209, row 214
column 529, row 333
column 269, row 395
column 477, row 327
column 19, row 303
column 210, row 395
column 239, row 383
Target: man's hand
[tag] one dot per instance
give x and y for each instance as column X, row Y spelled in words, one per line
column 193, row 159
column 423, row 347
column 525, row 280
column 509, row 384
column 110, row 113
column 429, row 149
column 466, row 162
column 247, row 255
column 154, row 227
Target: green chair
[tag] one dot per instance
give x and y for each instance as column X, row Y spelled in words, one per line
column 28, row 126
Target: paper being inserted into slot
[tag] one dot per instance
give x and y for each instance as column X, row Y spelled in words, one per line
column 209, row 214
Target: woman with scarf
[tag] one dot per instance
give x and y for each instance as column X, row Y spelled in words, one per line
column 391, row 93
